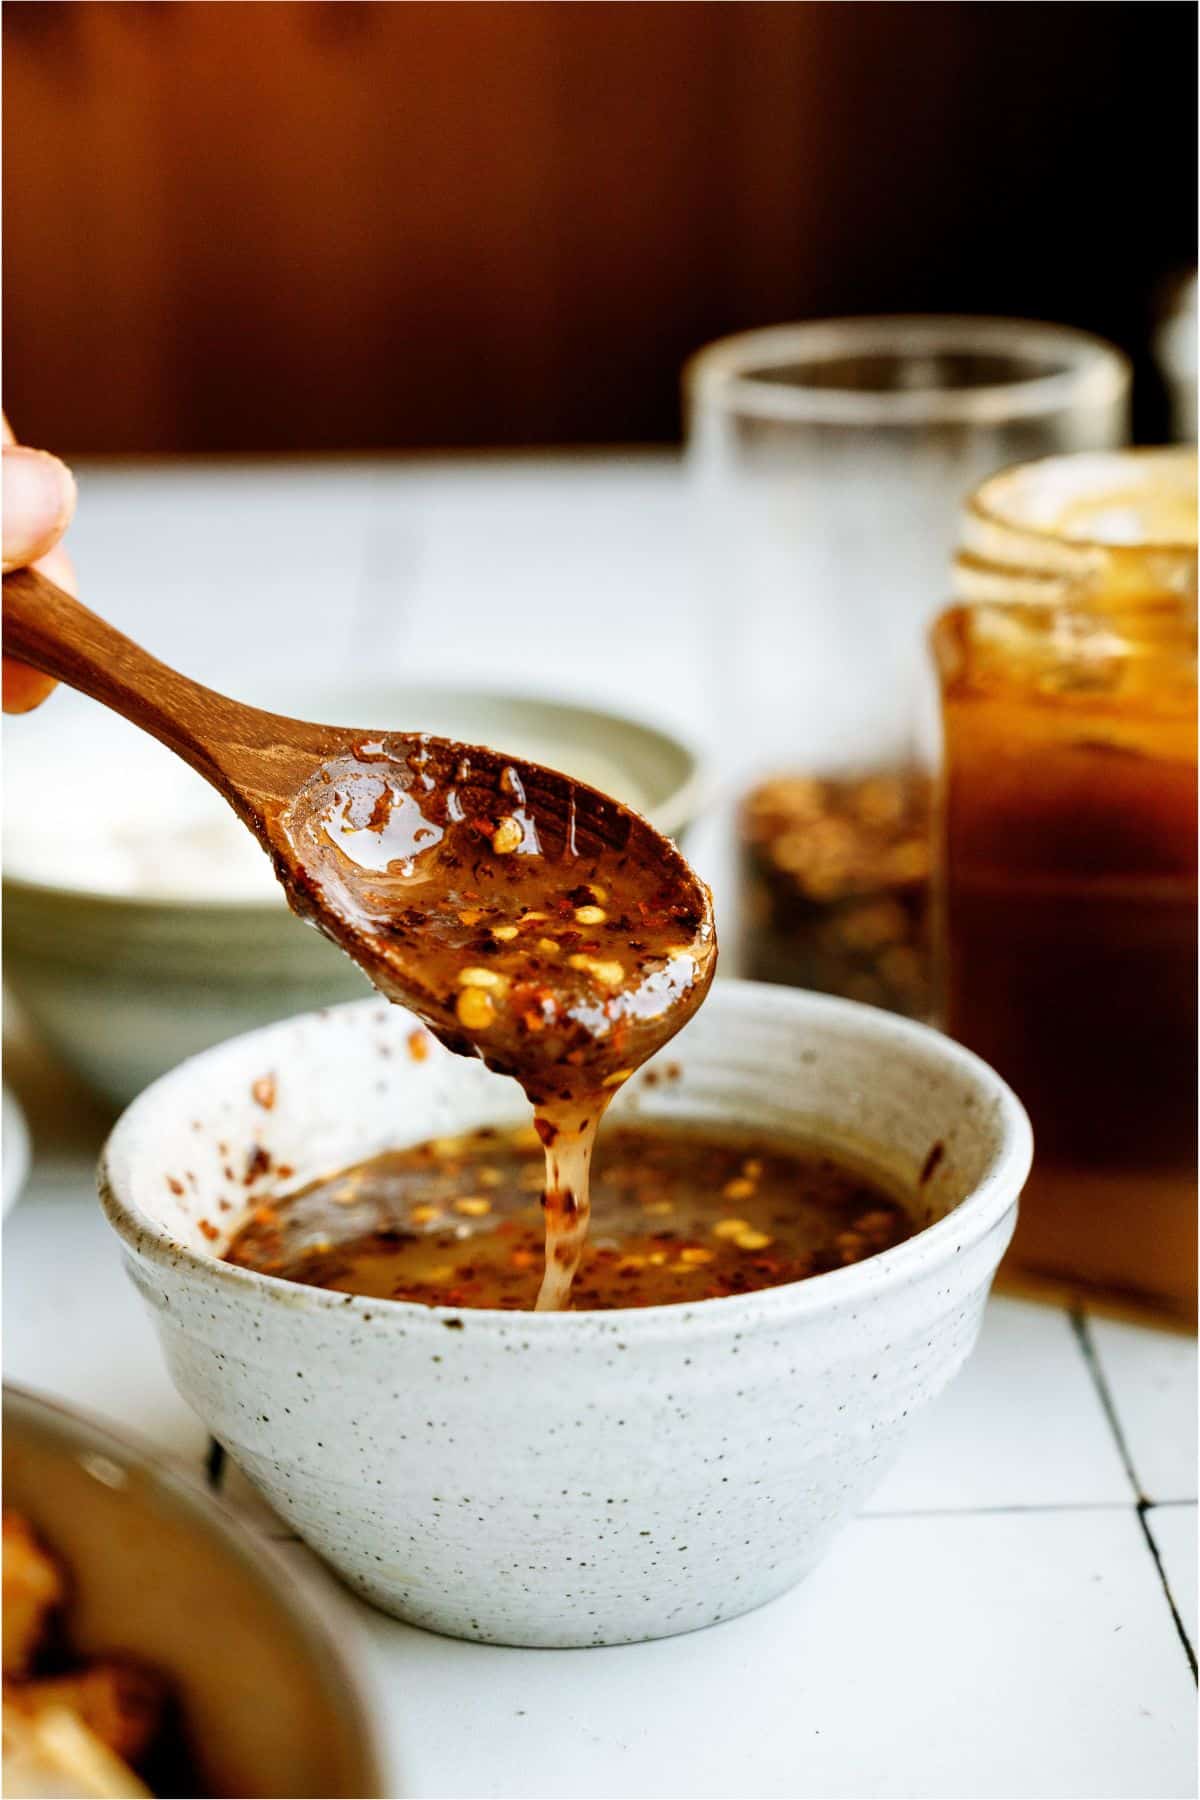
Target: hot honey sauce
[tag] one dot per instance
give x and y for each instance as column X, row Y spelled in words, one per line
column 680, row 1214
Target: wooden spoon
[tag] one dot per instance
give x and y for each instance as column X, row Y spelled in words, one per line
column 386, row 841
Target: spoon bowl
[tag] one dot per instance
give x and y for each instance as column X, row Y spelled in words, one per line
column 363, row 849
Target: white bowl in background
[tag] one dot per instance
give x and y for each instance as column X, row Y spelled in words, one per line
column 142, row 922
column 577, row 1478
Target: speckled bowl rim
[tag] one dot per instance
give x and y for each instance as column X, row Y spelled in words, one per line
column 980, row 1212
column 301, row 1592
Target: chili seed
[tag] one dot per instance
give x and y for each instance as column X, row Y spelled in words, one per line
column 481, row 978
column 476, row 1010
column 608, row 974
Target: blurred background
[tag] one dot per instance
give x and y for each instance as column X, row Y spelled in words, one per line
column 254, row 250
column 267, row 227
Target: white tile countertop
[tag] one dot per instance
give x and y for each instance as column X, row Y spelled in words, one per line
column 1015, row 1613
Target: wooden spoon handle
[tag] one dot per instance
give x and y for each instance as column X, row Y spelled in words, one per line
column 251, row 756
column 48, row 629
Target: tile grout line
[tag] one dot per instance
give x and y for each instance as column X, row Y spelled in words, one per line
column 1083, row 1337
column 988, row 1512
column 1079, row 1325
column 1143, row 1510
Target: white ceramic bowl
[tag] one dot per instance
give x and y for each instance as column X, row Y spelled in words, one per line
column 154, row 927
column 588, row 1478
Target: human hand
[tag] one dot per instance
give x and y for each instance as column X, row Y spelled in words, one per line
column 39, row 498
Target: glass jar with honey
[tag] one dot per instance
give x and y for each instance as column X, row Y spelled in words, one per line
column 1067, row 892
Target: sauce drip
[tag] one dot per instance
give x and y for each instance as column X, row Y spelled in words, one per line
column 528, row 919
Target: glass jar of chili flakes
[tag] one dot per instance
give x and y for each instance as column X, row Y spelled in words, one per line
column 1067, row 899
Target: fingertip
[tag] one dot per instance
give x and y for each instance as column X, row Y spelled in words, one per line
column 57, row 564
column 24, row 688
column 38, row 501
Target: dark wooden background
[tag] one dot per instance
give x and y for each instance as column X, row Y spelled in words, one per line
column 301, row 226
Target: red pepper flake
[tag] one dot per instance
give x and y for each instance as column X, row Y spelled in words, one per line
column 257, row 1163
column 263, row 1091
column 176, row 1187
column 210, row 1231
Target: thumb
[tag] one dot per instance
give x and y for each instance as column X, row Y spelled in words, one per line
column 38, row 500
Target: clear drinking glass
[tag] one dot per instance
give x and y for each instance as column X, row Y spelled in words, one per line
column 830, row 462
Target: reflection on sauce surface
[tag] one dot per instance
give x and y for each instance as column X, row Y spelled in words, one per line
column 681, row 1215
column 528, row 919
